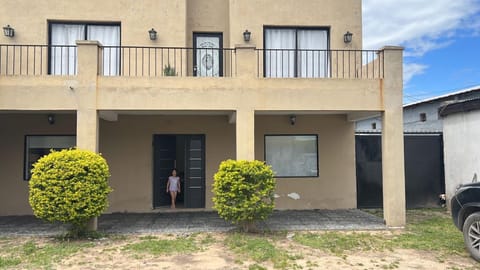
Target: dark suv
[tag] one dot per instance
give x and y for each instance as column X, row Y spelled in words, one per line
column 465, row 206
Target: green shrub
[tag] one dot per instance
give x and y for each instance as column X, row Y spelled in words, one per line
column 169, row 71
column 244, row 192
column 69, row 186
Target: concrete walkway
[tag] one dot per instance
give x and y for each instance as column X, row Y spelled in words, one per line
column 178, row 222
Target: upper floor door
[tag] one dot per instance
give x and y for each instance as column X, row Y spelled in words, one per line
column 207, row 54
column 296, row 52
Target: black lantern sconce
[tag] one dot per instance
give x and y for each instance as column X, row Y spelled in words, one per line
column 51, row 119
column 153, row 34
column 8, row 31
column 347, row 38
column 246, row 35
column 293, row 119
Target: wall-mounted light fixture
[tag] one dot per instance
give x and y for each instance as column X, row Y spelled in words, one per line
column 8, row 31
column 51, row 119
column 246, row 35
column 293, row 119
column 153, row 34
column 347, row 37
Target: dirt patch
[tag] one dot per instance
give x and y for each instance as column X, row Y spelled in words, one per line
column 392, row 259
column 397, row 259
column 212, row 253
column 111, row 254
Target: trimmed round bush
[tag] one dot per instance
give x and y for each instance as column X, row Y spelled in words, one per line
column 69, row 186
column 244, row 192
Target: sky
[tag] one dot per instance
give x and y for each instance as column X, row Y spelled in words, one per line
column 441, row 40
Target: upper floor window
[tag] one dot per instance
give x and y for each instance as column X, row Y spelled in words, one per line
column 296, row 52
column 63, row 54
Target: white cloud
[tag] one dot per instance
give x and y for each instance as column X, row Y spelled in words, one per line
column 418, row 25
column 412, row 69
column 474, row 25
column 418, row 47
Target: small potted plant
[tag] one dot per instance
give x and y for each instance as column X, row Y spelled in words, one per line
column 169, row 71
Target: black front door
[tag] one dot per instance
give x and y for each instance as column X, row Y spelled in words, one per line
column 186, row 153
column 195, row 172
column 207, row 55
column 164, row 152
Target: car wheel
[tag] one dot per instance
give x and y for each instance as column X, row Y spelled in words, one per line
column 471, row 235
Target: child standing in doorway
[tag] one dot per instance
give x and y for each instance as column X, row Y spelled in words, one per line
column 173, row 186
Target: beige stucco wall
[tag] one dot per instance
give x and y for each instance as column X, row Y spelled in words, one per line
column 335, row 187
column 207, row 16
column 14, row 127
column 38, row 93
column 176, row 20
column 233, row 93
column 339, row 16
column 119, row 93
column 127, row 146
column 29, row 19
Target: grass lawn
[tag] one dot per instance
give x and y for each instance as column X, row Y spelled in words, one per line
column 426, row 230
column 429, row 241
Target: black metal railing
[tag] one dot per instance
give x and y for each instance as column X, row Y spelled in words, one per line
column 202, row 62
column 337, row 64
column 38, row 59
column 166, row 61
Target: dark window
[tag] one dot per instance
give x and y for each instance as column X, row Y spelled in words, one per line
column 37, row 146
column 374, row 125
column 292, row 155
column 423, row 117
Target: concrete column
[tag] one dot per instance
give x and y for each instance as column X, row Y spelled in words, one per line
column 246, row 58
column 87, row 129
column 246, row 65
column 245, row 134
column 392, row 138
column 86, row 94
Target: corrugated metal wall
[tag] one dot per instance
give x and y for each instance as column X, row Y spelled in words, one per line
column 424, row 170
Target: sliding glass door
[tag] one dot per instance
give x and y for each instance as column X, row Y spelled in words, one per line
column 63, row 53
column 296, row 52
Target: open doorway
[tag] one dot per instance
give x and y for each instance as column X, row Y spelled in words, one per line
column 186, row 153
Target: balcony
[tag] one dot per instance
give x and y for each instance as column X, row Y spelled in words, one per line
column 34, row 60
column 333, row 64
column 137, row 61
column 133, row 78
column 134, row 61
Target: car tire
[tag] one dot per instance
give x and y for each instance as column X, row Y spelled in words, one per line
column 471, row 235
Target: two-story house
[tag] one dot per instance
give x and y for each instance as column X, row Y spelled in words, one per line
column 156, row 84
